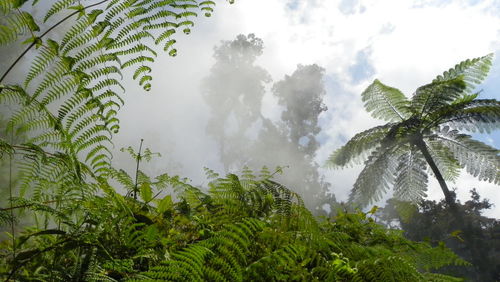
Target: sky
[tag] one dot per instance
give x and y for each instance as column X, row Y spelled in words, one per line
column 405, row 44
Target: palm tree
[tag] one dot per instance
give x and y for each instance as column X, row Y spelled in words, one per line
column 424, row 132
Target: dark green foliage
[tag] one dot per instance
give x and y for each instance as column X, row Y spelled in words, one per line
column 424, row 133
column 474, row 238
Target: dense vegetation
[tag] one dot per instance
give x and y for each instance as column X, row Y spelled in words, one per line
column 64, row 216
column 474, row 238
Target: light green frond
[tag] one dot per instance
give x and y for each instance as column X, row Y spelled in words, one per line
column 479, row 159
column 443, row 157
column 481, row 115
column 58, row 7
column 356, row 149
column 376, row 178
column 435, row 95
column 473, row 71
column 386, row 103
column 411, row 181
column 44, row 59
column 15, row 25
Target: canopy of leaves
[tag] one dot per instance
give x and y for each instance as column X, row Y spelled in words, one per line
column 475, row 238
column 423, row 134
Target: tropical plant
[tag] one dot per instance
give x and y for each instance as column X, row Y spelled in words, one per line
column 475, row 239
column 424, row 132
column 67, row 100
column 163, row 228
column 243, row 228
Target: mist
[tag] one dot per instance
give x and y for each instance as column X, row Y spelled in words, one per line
column 350, row 43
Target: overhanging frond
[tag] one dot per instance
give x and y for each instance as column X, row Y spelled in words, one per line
column 386, row 103
column 354, row 151
column 376, row 178
column 479, row 159
column 473, row 71
column 411, row 181
column 437, row 94
column 481, row 115
column 444, row 160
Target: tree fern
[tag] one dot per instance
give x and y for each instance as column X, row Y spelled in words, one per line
column 419, row 136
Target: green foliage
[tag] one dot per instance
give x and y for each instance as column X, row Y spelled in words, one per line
column 473, row 237
column 424, row 133
column 241, row 229
column 238, row 228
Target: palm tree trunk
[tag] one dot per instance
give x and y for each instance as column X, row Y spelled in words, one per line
column 450, row 200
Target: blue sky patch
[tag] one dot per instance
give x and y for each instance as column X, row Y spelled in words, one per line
column 362, row 69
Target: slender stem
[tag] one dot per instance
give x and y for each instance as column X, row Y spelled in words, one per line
column 10, row 198
column 137, row 169
column 450, row 200
column 25, row 206
column 45, row 33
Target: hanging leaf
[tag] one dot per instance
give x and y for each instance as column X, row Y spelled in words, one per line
column 146, row 193
column 165, row 204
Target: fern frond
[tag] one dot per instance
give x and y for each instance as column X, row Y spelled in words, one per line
column 435, row 95
column 57, row 7
column 14, row 25
column 137, row 60
column 473, row 71
column 438, row 277
column 360, row 144
column 221, row 257
column 411, row 181
column 44, row 59
column 75, row 30
column 390, row 268
column 138, row 36
column 434, row 258
column 386, row 103
column 481, row 115
column 479, row 159
column 376, row 177
column 443, row 157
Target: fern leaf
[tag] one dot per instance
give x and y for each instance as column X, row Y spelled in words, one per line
column 473, row 71
column 479, row 159
column 443, row 157
column 44, row 59
column 481, row 115
column 435, row 95
column 376, row 178
column 385, row 102
column 411, row 181
column 354, row 150
column 57, row 7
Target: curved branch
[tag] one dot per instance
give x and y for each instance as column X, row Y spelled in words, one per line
column 45, row 33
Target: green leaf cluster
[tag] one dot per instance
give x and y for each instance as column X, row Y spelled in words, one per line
column 422, row 135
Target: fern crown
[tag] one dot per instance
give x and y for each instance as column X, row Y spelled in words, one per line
column 424, row 133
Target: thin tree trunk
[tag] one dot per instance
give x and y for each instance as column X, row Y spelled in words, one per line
column 450, row 200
